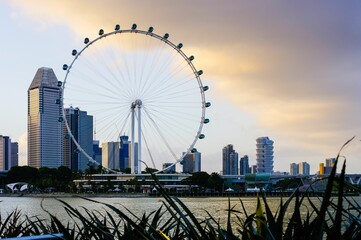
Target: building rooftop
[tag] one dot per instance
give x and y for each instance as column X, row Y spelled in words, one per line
column 44, row 77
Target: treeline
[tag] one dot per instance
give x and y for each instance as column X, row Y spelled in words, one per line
column 42, row 179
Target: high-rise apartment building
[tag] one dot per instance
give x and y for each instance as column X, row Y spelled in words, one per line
column 45, row 126
column 293, row 169
column 81, row 127
column 191, row 162
column 264, row 155
column 304, row 168
column 230, row 161
column 244, row 165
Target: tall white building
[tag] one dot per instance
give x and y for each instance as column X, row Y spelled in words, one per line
column 45, row 126
column 264, row 155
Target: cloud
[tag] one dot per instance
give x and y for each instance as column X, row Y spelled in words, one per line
column 293, row 65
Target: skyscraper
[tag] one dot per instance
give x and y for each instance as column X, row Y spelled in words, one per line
column 244, row 165
column 230, row 160
column 293, row 169
column 264, row 156
column 110, row 155
column 124, row 152
column 304, row 168
column 5, row 152
column 14, row 154
column 45, row 126
column 191, row 162
column 97, row 152
column 81, row 127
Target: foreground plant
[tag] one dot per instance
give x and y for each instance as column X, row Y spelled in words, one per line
column 331, row 221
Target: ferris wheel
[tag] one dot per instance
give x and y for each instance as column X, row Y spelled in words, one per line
column 141, row 90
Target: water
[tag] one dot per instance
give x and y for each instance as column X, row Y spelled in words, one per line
column 216, row 206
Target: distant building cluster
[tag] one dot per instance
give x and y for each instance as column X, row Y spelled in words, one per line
column 50, row 143
column 302, row 168
column 326, row 169
column 8, row 153
column 264, row 160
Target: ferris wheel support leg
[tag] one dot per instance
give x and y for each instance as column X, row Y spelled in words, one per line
column 139, row 141
column 132, row 154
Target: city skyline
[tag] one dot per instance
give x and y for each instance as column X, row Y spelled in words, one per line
column 289, row 71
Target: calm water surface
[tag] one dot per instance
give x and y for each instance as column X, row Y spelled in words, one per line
column 32, row 206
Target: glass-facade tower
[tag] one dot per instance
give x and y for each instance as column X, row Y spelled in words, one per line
column 45, row 126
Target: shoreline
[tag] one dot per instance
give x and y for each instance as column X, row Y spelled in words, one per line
column 149, row 195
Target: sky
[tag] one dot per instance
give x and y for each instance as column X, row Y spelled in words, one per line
column 289, row 70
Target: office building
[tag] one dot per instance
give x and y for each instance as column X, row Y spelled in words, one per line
column 97, row 152
column 124, row 152
column 264, row 155
column 294, row 169
column 230, row 161
column 191, row 162
column 244, row 165
column 81, row 127
column 110, row 155
column 45, row 126
column 5, row 152
column 14, row 154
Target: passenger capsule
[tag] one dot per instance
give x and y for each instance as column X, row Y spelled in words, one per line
column 166, row 36
column 194, row 150
column 205, row 88
column 65, row 67
column 208, row 104
column 59, row 84
column 117, row 27
column 200, row 72
column 74, row 52
column 134, row 26
column 191, row 58
column 101, row 32
column 181, row 162
column 86, row 40
column 206, row 120
column 67, row 136
column 57, row 101
column 201, row 136
column 180, row 45
column 60, row 119
column 150, row 29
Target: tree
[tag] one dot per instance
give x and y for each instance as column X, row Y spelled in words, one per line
column 216, row 182
column 198, row 178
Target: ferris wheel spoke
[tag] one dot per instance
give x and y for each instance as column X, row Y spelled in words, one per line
column 162, row 136
column 141, row 85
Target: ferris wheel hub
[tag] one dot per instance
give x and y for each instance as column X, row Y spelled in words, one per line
column 136, row 103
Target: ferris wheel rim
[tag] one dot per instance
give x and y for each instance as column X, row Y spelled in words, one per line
column 164, row 39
